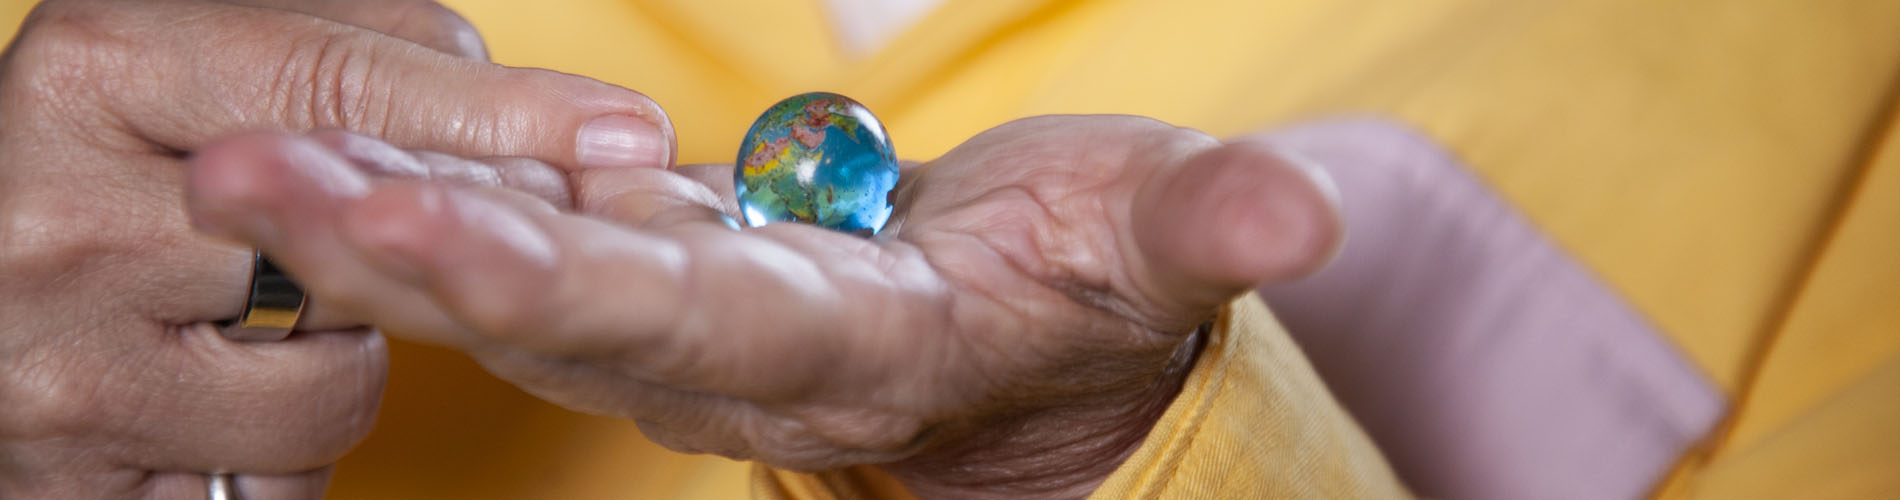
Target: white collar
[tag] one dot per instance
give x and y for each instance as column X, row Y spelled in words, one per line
column 864, row 26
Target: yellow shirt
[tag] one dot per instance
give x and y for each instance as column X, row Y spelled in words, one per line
column 1252, row 421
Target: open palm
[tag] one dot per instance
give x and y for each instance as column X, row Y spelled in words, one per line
column 1030, row 302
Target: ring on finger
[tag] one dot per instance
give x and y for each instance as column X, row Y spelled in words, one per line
column 219, row 486
column 272, row 307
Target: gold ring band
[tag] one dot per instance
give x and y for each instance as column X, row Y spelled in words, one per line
column 273, row 306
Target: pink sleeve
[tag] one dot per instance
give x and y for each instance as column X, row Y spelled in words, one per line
column 1484, row 361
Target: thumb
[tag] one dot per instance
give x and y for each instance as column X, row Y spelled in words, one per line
column 233, row 68
column 1232, row 218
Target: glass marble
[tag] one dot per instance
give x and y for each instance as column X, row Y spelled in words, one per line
column 818, row 158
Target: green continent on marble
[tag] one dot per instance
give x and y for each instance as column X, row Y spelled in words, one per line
column 817, row 158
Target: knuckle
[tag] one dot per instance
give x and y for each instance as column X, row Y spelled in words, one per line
column 44, row 238
column 498, row 130
column 56, row 245
column 67, row 46
column 328, row 80
column 511, row 316
column 338, row 398
column 309, row 401
column 46, row 398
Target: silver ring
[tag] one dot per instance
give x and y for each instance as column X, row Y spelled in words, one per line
column 272, row 307
column 218, row 486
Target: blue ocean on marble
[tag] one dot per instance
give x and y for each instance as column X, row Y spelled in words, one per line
column 818, row 158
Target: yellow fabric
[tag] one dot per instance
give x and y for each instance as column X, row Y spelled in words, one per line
column 1252, row 421
column 450, row 431
column 1845, row 323
column 1826, row 400
column 1720, row 163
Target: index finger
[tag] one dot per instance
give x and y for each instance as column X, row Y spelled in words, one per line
column 694, row 303
column 205, row 70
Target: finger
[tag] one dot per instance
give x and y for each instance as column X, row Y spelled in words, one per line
column 573, row 285
column 195, row 279
column 208, row 281
column 209, row 69
column 424, row 22
column 200, row 402
column 187, row 399
column 716, row 177
column 380, row 158
column 693, row 324
column 697, row 307
column 249, row 179
column 644, row 196
column 165, row 391
column 697, row 304
column 1231, row 218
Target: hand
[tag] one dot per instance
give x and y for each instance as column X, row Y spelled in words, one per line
column 1016, row 331
column 114, row 380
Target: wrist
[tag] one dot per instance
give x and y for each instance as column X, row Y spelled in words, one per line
column 1060, row 452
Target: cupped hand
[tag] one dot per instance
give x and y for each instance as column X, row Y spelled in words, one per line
column 114, row 379
column 1016, row 331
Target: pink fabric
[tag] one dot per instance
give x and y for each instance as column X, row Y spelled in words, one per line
column 1485, row 362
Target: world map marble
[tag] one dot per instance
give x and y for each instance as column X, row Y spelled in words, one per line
column 817, row 158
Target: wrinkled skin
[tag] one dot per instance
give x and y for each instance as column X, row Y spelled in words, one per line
column 1015, row 332
column 114, row 379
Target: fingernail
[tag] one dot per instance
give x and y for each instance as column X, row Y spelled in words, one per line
column 621, row 141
